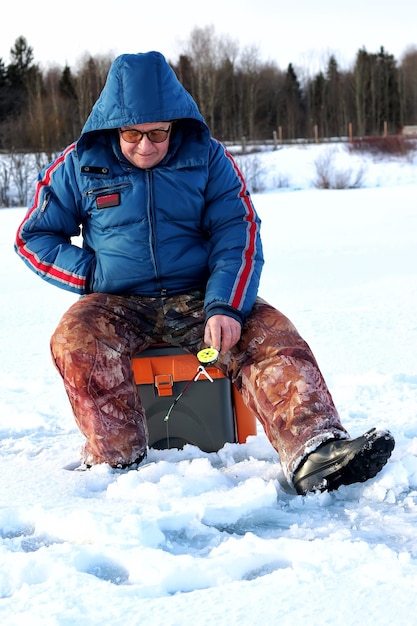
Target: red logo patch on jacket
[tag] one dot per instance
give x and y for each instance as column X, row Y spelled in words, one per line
column 110, row 199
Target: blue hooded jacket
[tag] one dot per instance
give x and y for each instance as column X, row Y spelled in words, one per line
column 187, row 223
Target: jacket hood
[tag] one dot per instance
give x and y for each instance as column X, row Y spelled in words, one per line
column 141, row 88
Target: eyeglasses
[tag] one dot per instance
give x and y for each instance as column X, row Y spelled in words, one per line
column 156, row 135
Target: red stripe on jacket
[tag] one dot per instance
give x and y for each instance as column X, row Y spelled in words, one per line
column 46, row 268
column 248, row 256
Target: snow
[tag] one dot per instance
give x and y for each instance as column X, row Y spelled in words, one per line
column 214, row 538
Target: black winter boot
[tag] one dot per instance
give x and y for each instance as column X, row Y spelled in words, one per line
column 344, row 461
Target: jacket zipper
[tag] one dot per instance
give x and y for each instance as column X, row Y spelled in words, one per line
column 152, row 231
column 96, row 190
column 39, row 213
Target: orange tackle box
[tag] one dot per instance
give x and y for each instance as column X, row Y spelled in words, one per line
column 206, row 413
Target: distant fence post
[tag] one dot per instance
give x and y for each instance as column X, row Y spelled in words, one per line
column 385, row 129
column 243, row 145
column 275, row 139
column 280, row 134
column 350, row 133
column 316, row 133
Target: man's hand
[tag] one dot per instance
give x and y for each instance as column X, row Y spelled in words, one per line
column 222, row 332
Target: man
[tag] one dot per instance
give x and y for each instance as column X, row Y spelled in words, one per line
column 172, row 253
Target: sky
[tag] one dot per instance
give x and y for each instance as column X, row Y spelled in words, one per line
column 215, row 538
column 304, row 33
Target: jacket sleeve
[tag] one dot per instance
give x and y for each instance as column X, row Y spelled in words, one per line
column 233, row 230
column 44, row 238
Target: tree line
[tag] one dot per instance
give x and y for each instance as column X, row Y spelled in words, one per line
column 238, row 94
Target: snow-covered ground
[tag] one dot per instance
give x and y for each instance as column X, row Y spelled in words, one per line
column 202, row 539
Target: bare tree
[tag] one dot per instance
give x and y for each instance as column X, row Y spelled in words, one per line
column 89, row 82
column 408, row 86
column 5, row 182
column 22, row 176
column 250, row 65
column 203, row 50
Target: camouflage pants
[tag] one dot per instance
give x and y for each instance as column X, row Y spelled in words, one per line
column 271, row 365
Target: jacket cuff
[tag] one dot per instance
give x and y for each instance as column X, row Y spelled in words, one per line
column 216, row 308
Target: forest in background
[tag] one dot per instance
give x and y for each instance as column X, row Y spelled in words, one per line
column 240, row 96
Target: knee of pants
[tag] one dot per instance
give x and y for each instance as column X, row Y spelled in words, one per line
column 71, row 335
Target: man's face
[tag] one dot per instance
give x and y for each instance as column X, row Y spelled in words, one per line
column 147, row 150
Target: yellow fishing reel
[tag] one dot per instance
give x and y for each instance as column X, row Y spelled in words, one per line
column 207, row 356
